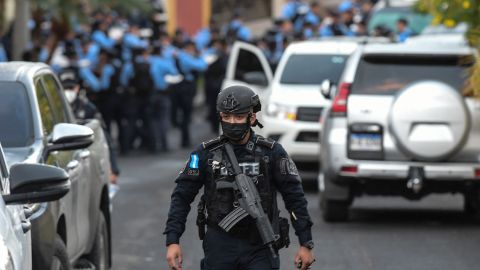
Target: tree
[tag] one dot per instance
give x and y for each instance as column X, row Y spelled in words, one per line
column 452, row 12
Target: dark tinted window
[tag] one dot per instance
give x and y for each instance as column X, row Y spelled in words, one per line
column 16, row 126
column 247, row 62
column 386, row 75
column 312, row 68
column 57, row 105
column 45, row 110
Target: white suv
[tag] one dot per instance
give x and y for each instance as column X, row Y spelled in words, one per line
column 291, row 100
column 400, row 125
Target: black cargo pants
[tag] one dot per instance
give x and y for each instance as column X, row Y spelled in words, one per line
column 226, row 252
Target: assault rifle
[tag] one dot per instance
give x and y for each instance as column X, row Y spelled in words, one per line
column 249, row 203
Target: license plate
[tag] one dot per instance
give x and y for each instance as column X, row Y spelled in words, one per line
column 365, row 142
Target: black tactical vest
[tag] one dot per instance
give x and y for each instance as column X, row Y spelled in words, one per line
column 255, row 162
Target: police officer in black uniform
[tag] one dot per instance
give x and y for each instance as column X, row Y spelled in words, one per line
column 268, row 166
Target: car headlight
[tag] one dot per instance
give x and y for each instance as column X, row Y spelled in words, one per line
column 281, row 111
column 6, row 261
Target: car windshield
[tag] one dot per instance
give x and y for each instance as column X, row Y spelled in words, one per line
column 312, row 68
column 385, row 75
column 389, row 17
column 16, row 128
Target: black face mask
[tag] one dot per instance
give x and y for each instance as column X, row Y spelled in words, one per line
column 235, row 132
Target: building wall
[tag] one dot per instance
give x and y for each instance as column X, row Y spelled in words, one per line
column 191, row 15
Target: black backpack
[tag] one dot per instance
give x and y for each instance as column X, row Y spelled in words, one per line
column 142, row 80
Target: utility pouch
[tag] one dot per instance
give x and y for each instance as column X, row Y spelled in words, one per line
column 284, row 228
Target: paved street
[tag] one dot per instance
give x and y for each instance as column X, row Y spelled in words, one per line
column 384, row 233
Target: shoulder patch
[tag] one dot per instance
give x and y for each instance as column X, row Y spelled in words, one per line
column 288, row 167
column 212, row 143
column 265, row 142
column 192, row 166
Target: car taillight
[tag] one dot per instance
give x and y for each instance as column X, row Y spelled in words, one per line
column 339, row 106
column 349, row 169
column 477, row 173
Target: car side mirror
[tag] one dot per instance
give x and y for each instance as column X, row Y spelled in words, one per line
column 255, row 78
column 70, row 137
column 35, row 183
column 326, row 88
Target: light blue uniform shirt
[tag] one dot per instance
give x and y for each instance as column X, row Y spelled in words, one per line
column 91, row 55
column 403, row 36
column 103, row 40
column 290, row 9
column 128, row 70
column 106, row 79
column 126, row 73
column 3, row 54
column 202, row 39
column 243, row 32
column 312, row 18
column 131, row 41
column 326, row 31
column 189, row 64
column 161, row 67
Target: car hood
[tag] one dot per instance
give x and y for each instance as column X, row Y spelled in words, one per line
column 298, row 95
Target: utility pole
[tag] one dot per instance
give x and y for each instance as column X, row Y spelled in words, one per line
column 21, row 32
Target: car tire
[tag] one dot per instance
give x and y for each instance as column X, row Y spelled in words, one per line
column 334, row 210
column 471, row 205
column 99, row 256
column 60, row 256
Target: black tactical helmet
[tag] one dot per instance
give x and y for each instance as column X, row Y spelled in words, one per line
column 238, row 99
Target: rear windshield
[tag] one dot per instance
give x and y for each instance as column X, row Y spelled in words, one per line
column 312, row 68
column 386, row 75
column 16, row 127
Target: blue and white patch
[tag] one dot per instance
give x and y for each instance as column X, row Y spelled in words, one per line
column 193, row 161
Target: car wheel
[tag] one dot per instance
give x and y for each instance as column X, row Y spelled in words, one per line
column 60, row 259
column 334, row 210
column 101, row 250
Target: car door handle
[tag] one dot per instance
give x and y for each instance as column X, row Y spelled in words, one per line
column 26, row 226
column 84, row 154
column 72, row 165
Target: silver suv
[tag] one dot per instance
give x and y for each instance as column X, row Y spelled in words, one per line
column 400, row 125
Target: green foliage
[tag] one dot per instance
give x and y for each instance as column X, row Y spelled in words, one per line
column 452, row 12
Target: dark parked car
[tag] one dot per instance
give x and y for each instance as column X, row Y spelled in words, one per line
column 38, row 127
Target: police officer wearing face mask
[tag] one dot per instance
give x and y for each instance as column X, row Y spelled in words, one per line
column 83, row 110
column 271, row 170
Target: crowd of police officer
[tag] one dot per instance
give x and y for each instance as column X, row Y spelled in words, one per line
column 144, row 80
column 140, row 82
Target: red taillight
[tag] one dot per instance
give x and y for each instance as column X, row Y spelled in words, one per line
column 477, row 172
column 349, row 169
column 339, row 106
